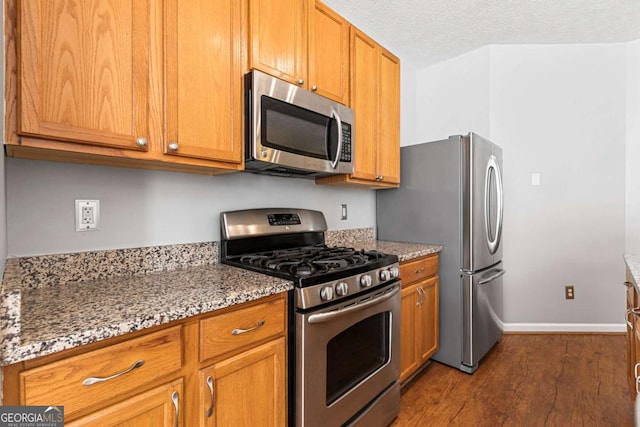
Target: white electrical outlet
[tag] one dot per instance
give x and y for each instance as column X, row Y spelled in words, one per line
column 87, row 215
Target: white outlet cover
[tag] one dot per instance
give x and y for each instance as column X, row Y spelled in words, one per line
column 91, row 209
column 535, row 179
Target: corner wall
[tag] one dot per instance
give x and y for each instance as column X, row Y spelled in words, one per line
column 558, row 110
column 632, row 170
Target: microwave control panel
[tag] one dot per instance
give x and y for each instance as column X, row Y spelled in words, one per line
column 345, row 153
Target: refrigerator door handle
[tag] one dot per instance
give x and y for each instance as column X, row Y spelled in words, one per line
column 499, row 273
column 493, row 241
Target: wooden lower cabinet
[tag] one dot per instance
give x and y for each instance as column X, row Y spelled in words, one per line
column 161, row 377
column 247, row 389
column 419, row 314
column 162, row 406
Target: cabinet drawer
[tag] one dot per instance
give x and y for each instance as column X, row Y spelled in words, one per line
column 418, row 269
column 61, row 383
column 227, row 332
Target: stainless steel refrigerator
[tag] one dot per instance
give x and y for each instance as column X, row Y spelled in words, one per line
column 451, row 194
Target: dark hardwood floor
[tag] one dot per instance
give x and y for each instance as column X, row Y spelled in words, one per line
column 527, row 380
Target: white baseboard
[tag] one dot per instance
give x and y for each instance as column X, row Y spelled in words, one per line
column 565, row 327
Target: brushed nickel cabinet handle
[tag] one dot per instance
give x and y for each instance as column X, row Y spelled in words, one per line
column 244, row 331
column 94, row 380
column 173, row 146
column 300, row 82
column 627, row 284
column 210, row 385
column 314, row 88
column 142, row 142
column 174, row 398
column 420, row 270
column 626, row 318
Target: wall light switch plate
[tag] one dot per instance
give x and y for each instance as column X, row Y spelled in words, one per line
column 535, row 179
column 87, row 215
column 343, row 211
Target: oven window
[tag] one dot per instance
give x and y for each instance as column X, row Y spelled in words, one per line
column 356, row 353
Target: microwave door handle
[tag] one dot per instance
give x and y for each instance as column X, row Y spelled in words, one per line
column 334, row 114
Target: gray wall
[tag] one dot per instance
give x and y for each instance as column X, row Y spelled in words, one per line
column 558, row 111
column 145, row 208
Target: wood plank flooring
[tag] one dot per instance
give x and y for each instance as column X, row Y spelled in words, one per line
column 527, row 380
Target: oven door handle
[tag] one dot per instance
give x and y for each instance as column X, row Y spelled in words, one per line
column 326, row 317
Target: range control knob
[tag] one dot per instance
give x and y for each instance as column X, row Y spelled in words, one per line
column 395, row 272
column 365, row 281
column 385, row 275
column 326, row 293
column 342, row 289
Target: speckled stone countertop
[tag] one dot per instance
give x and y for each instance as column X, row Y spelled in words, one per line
column 633, row 263
column 405, row 251
column 52, row 303
column 54, row 318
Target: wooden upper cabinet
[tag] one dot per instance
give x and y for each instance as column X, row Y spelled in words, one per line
column 375, row 99
column 303, row 42
column 278, row 38
column 364, row 101
column 204, row 79
column 389, row 119
column 328, row 53
column 83, row 71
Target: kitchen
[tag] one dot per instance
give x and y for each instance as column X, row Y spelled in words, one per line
column 581, row 144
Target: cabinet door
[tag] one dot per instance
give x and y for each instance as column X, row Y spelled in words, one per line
column 328, row 53
column 427, row 319
column 278, row 38
column 161, row 406
column 389, row 119
column 246, row 390
column 84, row 71
column 364, row 101
column 204, row 83
column 408, row 348
column 631, row 344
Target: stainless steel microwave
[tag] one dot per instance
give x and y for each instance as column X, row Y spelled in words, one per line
column 291, row 131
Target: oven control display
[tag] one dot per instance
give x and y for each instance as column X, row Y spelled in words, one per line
column 284, row 219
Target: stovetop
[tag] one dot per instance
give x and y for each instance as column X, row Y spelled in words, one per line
column 310, row 265
column 289, row 243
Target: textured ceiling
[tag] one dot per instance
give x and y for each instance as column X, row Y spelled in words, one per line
column 429, row 31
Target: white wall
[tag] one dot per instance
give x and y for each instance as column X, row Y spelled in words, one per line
column 453, row 98
column 632, row 232
column 146, row 208
column 408, row 101
column 558, row 111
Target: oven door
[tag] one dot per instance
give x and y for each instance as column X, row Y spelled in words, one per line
column 347, row 355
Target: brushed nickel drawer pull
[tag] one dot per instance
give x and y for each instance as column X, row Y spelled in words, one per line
column 174, row 398
column 627, row 284
column 210, row 385
column 420, row 270
column 242, row 331
column 93, row 380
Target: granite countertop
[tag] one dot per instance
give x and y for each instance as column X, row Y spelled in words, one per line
column 405, row 251
column 49, row 319
column 53, row 303
column 633, row 263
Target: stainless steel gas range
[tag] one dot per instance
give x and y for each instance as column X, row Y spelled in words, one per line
column 344, row 323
